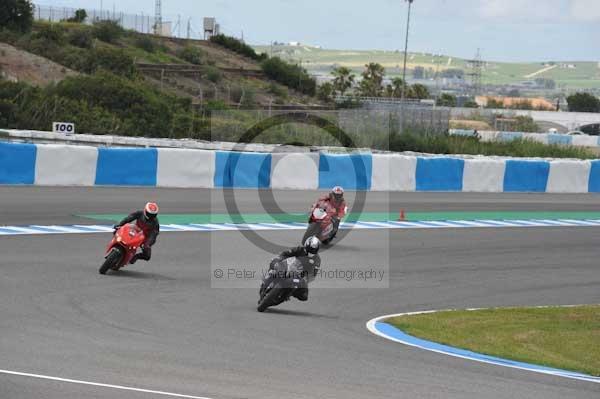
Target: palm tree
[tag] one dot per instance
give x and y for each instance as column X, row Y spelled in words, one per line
column 343, row 79
column 372, row 79
column 418, row 91
column 397, row 85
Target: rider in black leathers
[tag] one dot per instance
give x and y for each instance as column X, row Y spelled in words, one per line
column 309, row 259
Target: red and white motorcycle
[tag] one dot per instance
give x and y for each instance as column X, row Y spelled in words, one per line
column 322, row 223
column 123, row 246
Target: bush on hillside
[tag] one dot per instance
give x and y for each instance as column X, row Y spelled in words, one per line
column 108, row 31
column 213, row 74
column 237, row 46
column 278, row 90
column 191, row 54
column 144, row 111
column 8, row 111
column 53, row 33
column 146, row 43
column 116, row 61
column 81, row 37
column 290, row 75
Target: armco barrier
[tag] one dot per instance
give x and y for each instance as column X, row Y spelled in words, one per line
column 63, row 165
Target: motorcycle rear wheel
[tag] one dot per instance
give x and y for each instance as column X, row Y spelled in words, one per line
column 112, row 260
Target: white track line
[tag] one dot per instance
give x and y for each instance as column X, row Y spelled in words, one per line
column 97, row 384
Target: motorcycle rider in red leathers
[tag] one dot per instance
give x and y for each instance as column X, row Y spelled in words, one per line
column 146, row 220
column 334, row 203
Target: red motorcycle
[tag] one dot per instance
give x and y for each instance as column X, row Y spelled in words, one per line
column 124, row 245
column 322, row 223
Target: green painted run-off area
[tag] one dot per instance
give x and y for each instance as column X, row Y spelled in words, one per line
column 364, row 217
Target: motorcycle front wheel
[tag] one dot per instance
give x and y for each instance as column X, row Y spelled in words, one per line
column 270, row 298
column 112, row 260
column 314, row 229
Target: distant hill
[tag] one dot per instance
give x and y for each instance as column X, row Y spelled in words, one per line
column 571, row 74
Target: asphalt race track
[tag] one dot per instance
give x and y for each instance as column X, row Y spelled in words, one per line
column 160, row 326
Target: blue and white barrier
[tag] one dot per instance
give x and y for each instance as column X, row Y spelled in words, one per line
column 63, row 165
column 544, row 138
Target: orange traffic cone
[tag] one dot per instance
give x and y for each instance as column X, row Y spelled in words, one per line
column 402, row 218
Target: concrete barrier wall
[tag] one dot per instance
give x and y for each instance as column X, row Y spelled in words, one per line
column 62, row 165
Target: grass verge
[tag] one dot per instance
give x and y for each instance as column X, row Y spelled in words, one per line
column 444, row 144
column 562, row 337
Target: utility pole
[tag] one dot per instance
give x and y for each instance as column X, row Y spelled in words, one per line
column 189, row 28
column 158, row 17
column 405, row 51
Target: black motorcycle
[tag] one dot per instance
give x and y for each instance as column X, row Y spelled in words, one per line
column 288, row 277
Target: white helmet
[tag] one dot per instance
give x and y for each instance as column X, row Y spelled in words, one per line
column 337, row 193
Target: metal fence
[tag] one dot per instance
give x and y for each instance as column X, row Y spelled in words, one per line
column 366, row 128
column 171, row 25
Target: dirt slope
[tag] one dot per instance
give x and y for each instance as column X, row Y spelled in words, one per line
column 20, row 65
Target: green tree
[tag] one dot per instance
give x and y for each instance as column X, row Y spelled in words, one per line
column 395, row 89
column 371, row 84
column 79, row 17
column 325, row 92
column 16, row 15
column 470, row 104
column 493, row 103
column 583, row 102
column 446, row 100
column 343, row 80
column 418, row 91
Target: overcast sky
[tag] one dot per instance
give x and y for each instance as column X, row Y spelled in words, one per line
column 509, row 30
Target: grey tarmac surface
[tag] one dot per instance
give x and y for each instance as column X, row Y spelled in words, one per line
column 52, row 205
column 160, row 325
